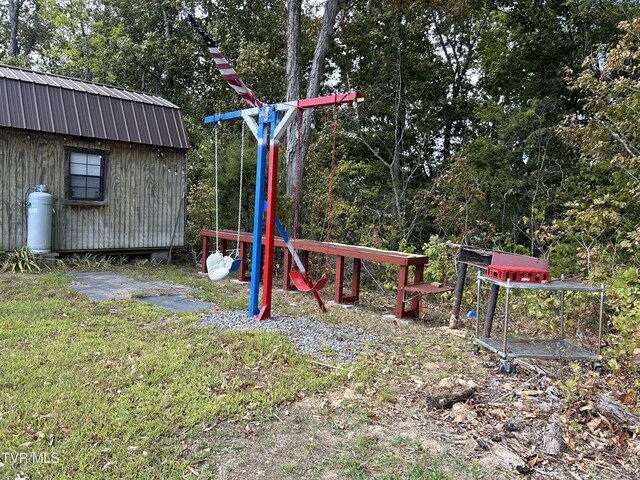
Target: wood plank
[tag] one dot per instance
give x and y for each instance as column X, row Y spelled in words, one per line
column 350, row 251
column 428, row 288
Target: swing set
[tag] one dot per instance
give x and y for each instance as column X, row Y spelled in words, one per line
column 268, row 123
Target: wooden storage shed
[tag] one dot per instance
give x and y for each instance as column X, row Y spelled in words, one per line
column 113, row 159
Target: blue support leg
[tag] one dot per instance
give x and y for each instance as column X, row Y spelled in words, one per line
column 256, row 256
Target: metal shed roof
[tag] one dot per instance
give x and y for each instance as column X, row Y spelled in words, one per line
column 52, row 103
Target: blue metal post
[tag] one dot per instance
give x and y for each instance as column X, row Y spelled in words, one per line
column 256, row 256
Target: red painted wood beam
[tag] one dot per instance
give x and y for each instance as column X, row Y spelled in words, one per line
column 272, row 198
column 330, row 100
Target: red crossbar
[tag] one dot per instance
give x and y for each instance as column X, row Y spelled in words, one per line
column 329, row 100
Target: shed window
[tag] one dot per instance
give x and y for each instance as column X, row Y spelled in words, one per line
column 86, row 176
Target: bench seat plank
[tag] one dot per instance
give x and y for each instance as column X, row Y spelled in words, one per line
column 427, row 288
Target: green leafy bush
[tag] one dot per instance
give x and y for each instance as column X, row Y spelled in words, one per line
column 624, row 300
column 441, row 266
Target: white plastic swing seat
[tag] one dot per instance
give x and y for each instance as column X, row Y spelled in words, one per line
column 218, row 266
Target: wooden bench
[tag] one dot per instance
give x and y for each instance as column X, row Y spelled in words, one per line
column 341, row 252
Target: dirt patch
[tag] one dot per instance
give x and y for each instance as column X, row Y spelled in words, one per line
column 385, row 429
column 326, row 436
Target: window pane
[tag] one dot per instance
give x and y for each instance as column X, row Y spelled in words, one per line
column 76, row 181
column 94, row 159
column 85, row 176
column 78, row 168
column 79, row 157
column 93, row 182
column 93, row 170
column 78, row 192
column 93, row 193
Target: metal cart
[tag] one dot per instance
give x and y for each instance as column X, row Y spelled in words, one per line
column 556, row 348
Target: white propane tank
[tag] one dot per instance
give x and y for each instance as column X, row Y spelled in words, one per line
column 40, row 205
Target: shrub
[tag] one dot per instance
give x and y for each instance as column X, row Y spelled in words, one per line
column 18, row 261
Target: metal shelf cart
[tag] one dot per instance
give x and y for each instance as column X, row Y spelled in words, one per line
column 556, row 348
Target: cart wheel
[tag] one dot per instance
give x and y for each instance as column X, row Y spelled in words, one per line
column 597, row 367
column 506, row 367
column 475, row 349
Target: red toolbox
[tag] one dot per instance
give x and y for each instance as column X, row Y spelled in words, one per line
column 518, row 274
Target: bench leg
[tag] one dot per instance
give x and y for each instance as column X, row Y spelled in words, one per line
column 286, row 281
column 416, row 303
column 304, row 258
column 242, row 271
column 491, row 308
column 457, row 296
column 223, row 247
column 338, row 294
column 205, row 253
column 355, row 283
column 403, row 276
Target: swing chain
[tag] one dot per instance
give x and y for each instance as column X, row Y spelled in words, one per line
column 297, row 193
column 240, row 188
column 331, row 184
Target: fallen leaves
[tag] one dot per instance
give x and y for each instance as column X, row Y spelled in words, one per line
column 194, row 471
column 463, row 413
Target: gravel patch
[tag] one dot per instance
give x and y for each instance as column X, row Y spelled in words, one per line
column 314, row 338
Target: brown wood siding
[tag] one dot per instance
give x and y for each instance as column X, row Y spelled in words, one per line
column 144, row 199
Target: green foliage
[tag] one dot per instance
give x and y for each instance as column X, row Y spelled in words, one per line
column 624, row 299
column 441, row 266
column 201, row 208
column 609, row 132
column 372, row 458
column 482, row 124
column 93, row 261
column 19, row 261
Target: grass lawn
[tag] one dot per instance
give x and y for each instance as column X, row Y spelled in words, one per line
column 111, row 389
column 122, row 389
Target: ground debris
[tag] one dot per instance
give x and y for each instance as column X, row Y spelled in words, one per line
column 447, row 400
column 552, row 439
column 608, row 407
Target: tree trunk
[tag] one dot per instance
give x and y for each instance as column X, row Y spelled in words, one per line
column 14, row 21
column 399, row 124
column 27, row 48
column 313, row 89
column 166, row 19
column 293, row 75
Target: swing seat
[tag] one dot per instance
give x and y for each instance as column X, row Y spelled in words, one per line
column 303, row 282
column 235, row 265
column 218, row 274
column 218, row 266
